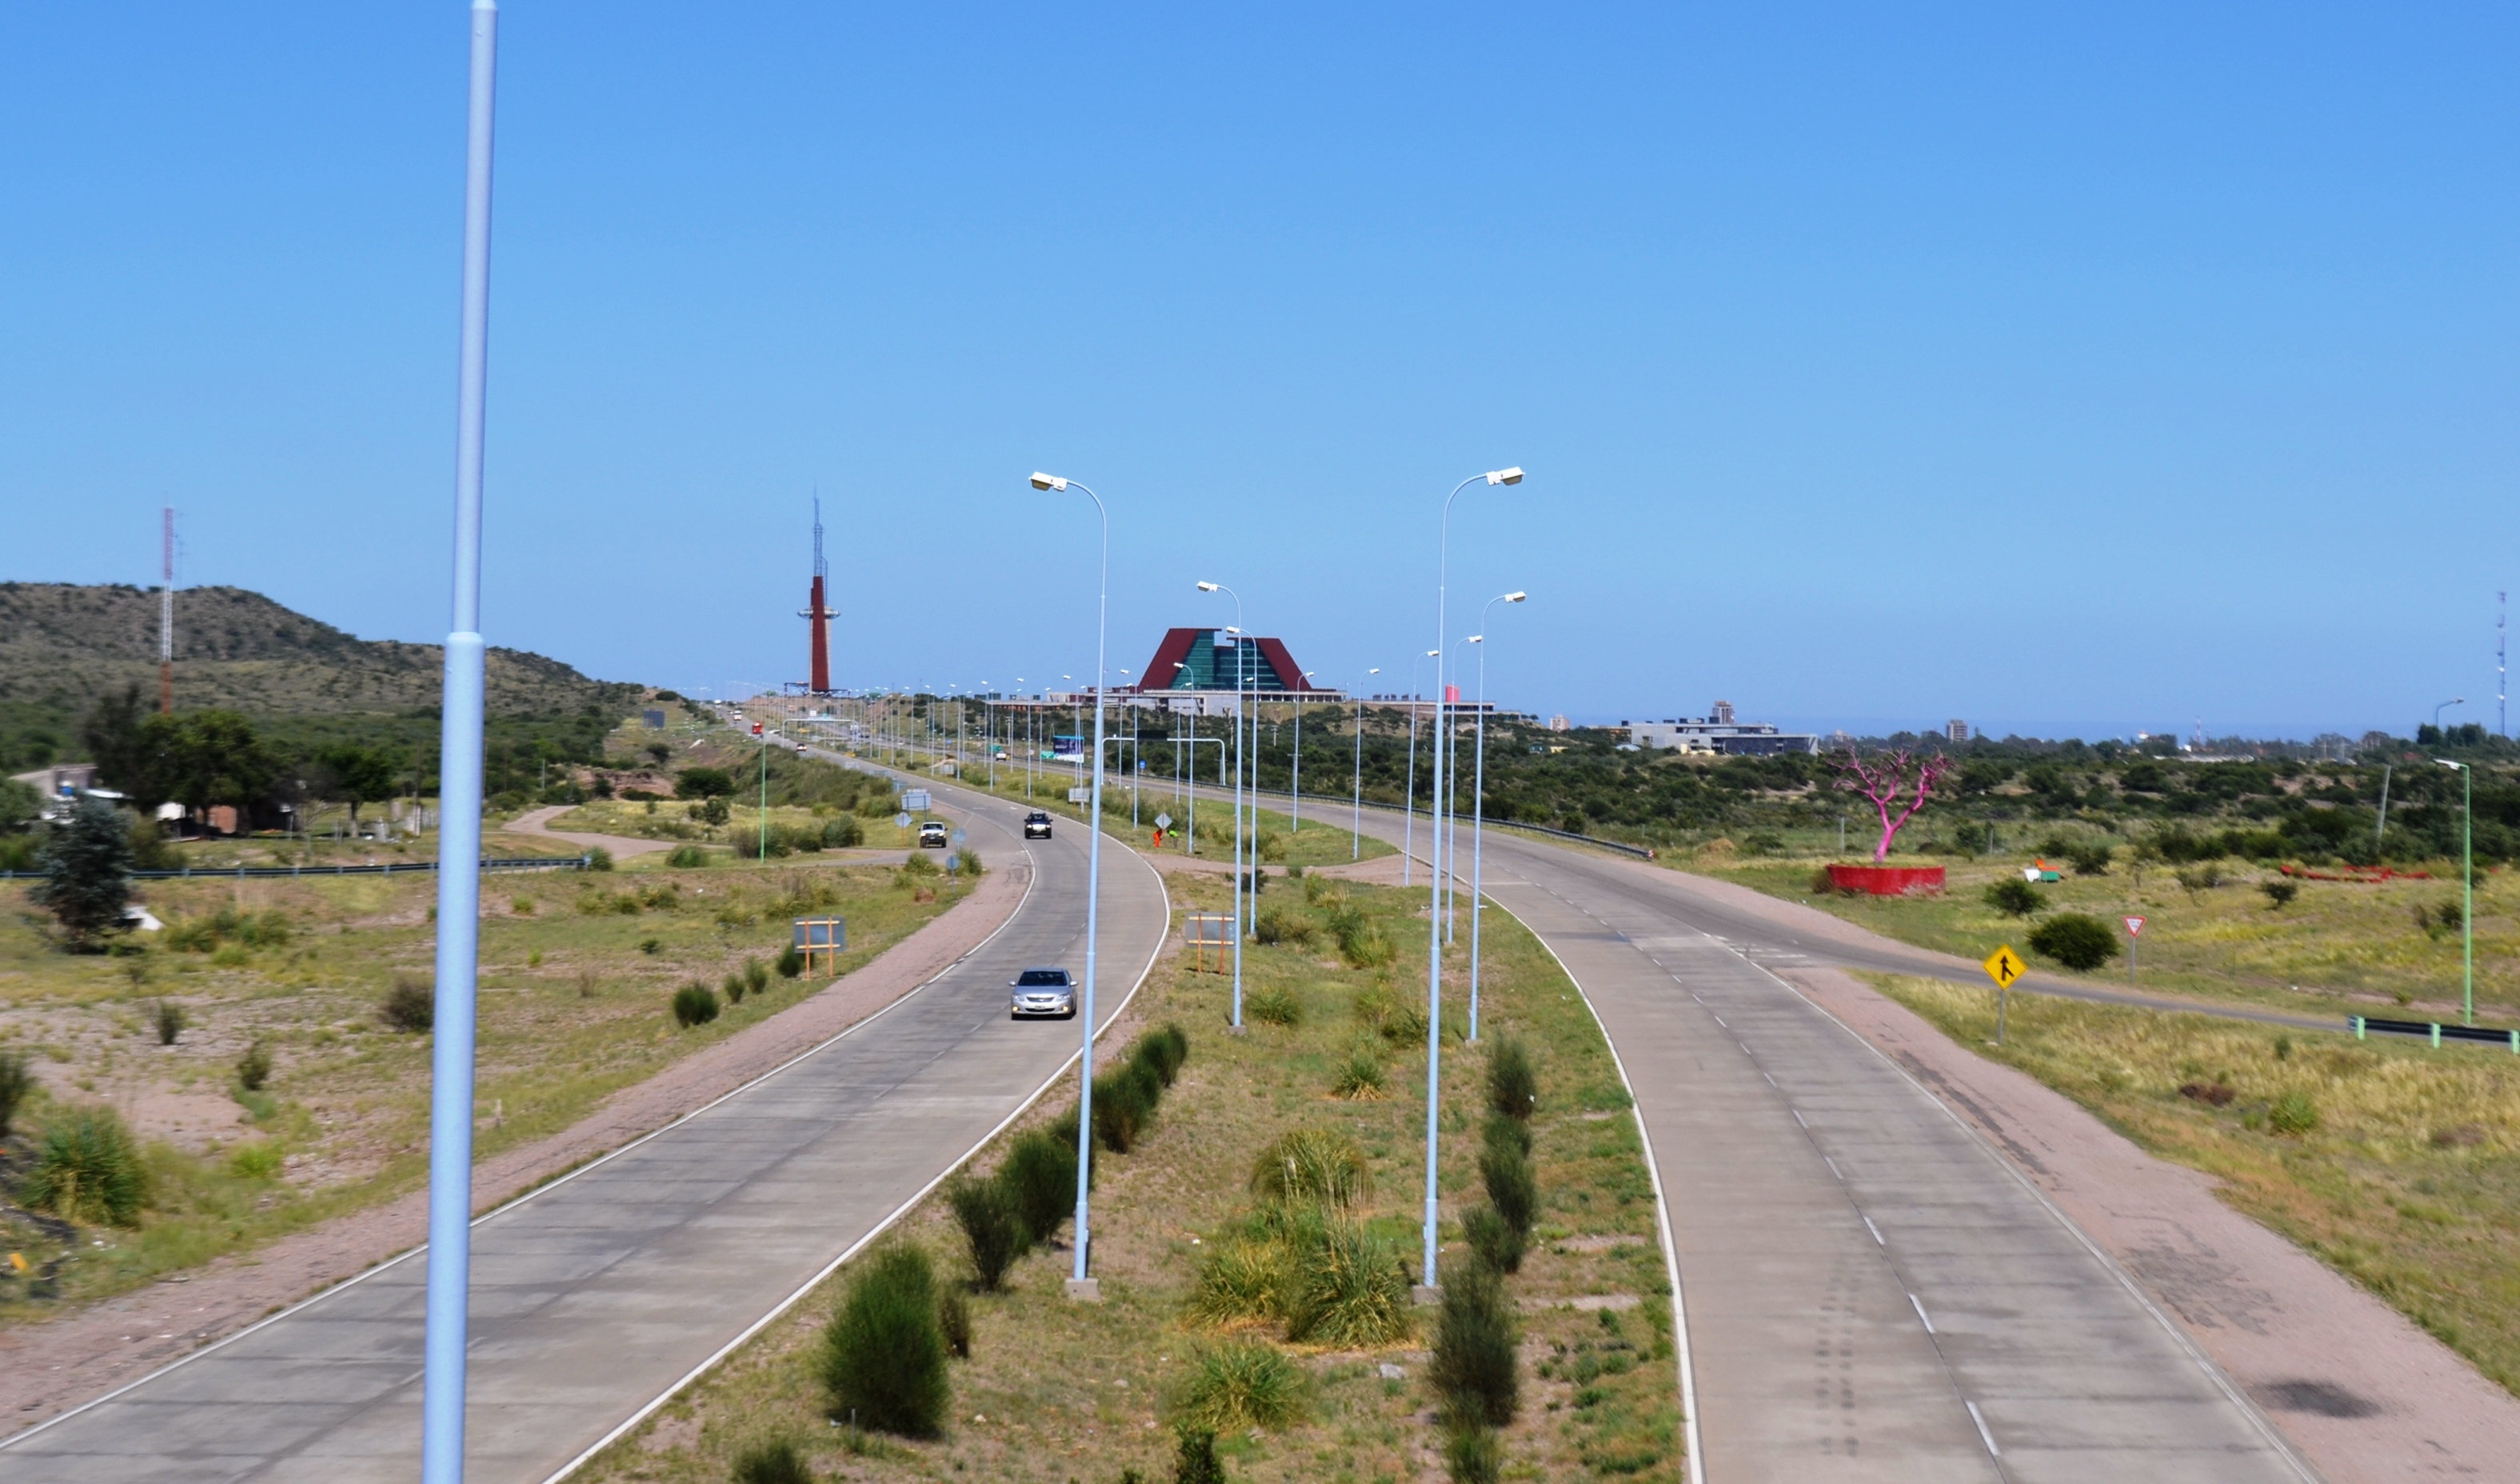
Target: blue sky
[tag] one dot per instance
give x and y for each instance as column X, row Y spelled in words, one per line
column 2061, row 369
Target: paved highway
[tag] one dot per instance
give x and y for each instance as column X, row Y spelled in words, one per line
column 598, row 1294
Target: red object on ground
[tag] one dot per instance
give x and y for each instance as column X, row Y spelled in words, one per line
column 2366, row 876
column 1888, row 880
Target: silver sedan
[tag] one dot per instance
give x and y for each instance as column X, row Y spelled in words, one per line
column 1041, row 992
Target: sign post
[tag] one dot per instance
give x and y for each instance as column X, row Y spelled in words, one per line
column 2135, row 935
column 2002, row 966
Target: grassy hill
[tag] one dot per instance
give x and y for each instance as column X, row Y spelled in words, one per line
column 62, row 646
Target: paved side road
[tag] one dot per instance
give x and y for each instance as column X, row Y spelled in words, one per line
column 598, row 1294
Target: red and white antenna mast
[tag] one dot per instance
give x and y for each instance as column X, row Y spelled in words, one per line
column 167, row 622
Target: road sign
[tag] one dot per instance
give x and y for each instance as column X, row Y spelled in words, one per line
column 2003, row 966
column 1080, row 796
column 959, row 837
column 901, row 821
column 2135, row 927
column 1163, row 821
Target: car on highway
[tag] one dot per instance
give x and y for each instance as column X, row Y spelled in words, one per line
column 1041, row 992
column 1036, row 826
column 933, row 835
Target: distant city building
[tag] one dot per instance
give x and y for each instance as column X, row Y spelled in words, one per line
column 1956, row 731
column 1718, row 732
column 1560, row 724
column 1205, row 671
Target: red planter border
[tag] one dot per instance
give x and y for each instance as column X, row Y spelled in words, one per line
column 1888, row 880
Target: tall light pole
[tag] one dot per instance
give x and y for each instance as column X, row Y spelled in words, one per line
column 2467, row 905
column 2438, row 710
column 1435, row 887
column 1235, row 632
column 1295, row 784
column 459, row 830
column 1356, row 789
column 1409, row 791
column 1077, row 1281
column 1478, row 797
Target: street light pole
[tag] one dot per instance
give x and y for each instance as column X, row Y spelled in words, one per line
column 2468, row 905
column 1356, row 797
column 1078, row 1280
column 1408, row 795
column 459, row 832
column 1435, row 887
column 1236, row 634
column 1479, row 799
column 2438, row 710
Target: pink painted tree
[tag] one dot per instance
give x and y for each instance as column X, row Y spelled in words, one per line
column 1900, row 780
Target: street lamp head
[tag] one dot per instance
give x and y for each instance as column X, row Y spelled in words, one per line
column 1207, row 587
column 1502, row 476
column 1516, row 597
column 1476, row 638
column 1375, row 670
column 1230, row 628
column 1048, row 481
column 2453, row 767
column 1432, row 653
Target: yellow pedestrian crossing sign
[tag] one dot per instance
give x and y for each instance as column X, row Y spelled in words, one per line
column 2004, row 966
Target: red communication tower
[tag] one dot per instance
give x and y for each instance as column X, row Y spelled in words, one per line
column 818, row 617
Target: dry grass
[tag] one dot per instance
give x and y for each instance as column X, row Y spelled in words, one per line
column 2409, row 1184
column 1055, row 1391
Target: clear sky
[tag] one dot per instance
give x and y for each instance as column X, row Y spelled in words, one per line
column 2058, row 368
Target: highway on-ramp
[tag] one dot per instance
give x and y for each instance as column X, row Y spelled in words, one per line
column 596, row 1295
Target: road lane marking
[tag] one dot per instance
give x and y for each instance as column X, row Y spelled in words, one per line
column 1983, row 1435
column 1929, row 1323
column 1875, row 1231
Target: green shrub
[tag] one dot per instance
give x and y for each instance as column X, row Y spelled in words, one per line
column 1505, row 1168
column 87, row 864
column 16, row 1082
column 2076, row 939
column 968, row 862
column 1514, row 1088
column 882, row 1357
column 598, row 859
column 843, row 832
column 913, row 869
column 1283, row 926
column 993, row 1227
column 1040, row 1178
column 756, row 978
column 791, row 963
column 1237, row 1387
column 1315, row 1166
column 1473, row 1368
column 954, row 1322
column 1349, row 1290
column 693, row 1005
column 1492, row 1239
column 168, row 1018
column 1196, row 1463
column 687, row 857
column 2293, row 1115
column 1166, row 1049
column 1277, row 1007
column 1244, row 1277
column 732, row 988
column 1361, row 940
column 1123, row 1106
column 254, row 1068
column 1360, row 1077
column 2013, row 897
column 1405, row 1026
column 87, row 1169
column 1473, row 1454
column 774, row 1461
column 259, row 1159
column 2280, row 894
column 410, row 1006
column 2088, row 860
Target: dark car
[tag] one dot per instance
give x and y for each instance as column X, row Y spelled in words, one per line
column 1041, row 992
column 933, row 835
column 1036, row 826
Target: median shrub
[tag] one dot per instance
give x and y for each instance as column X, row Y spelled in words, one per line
column 1124, row 1104
column 2015, row 897
column 756, row 978
column 87, row 1169
column 1350, row 1291
column 1504, row 1168
column 992, row 1225
column 1360, row 1076
column 882, row 1357
column 775, row 1460
column 2076, row 939
column 1514, row 1088
column 954, row 1322
column 693, row 1005
column 410, row 1006
column 732, row 988
column 1040, row 1179
column 1275, row 1007
column 1315, row 1166
column 1492, row 1239
column 1283, row 926
column 1237, row 1387
column 791, row 963
column 1472, row 1370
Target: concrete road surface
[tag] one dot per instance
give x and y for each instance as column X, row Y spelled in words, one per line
column 600, row 1293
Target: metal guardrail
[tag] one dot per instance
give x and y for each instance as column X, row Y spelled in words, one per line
column 2362, row 1025
column 388, row 869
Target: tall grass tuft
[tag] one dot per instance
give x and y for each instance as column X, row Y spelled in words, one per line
column 1514, row 1088
column 1350, row 1290
column 1282, row 925
column 1312, row 1165
column 1040, row 1178
column 16, row 1082
column 1247, row 1278
column 773, row 1460
column 732, row 987
column 992, row 1225
column 1241, row 1386
column 756, row 977
column 884, row 1354
column 1360, row 1076
column 1275, row 1007
column 87, row 1169
column 1473, row 1454
column 1196, row 1461
column 168, row 1018
column 1475, row 1339
column 254, row 1068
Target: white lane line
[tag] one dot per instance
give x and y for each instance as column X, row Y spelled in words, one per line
column 1744, row 1046
column 1772, row 1082
column 1876, row 1232
column 1920, row 1314
column 1719, row 1020
column 1983, row 1435
column 1833, row 1169
column 1798, row 1118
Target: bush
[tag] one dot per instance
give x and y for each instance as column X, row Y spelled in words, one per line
column 772, row 1461
column 1349, row 1290
column 2013, row 897
column 87, row 1169
column 843, row 832
column 693, row 1005
column 259, row 1160
column 1196, row 1463
column 598, row 859
column 1123, row 1105
column 2090, row 860
column 882, row 1356
column 1473, row 1366
column 1040, row 1179
column 254, row 1068
column 993, row 1227
column 704, row 783
column 1361, row 940
column 687, row 857
column 1166, row 1049
column 87, row 866
column 168, row 1018
column 732, row 987
column 2280, row 894
column 968, row 862
column 791, row 963
column 2293, row 1115
column 756, row 977
column 1505, row 1168
column 1360, row 1077
column 954, row 1322
column 16, row 1082
column 1472, row 1454
column 2203, row 878
column 1282, row 925
column 2076, row 939
column 1514, row 1088
column 1237, row 1387
column 410, row 1006
column 1277, row 1007
column 1315, row 1166
column 1492, row 1239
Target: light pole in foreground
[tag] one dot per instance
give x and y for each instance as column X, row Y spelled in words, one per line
column 1478, row 797
column 2467, row 903
column 1356, row 789
column 1435, row 886
column 459, row 831
column 1078, row 1285
column 1235, row 632
column 1295, row 784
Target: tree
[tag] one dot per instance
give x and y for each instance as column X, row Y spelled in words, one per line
column 2076, row 939
column 87, row 874
column 20, row 806
column 1887, row 779
column 360, row 774
column 112, row 734
column 704, row 783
